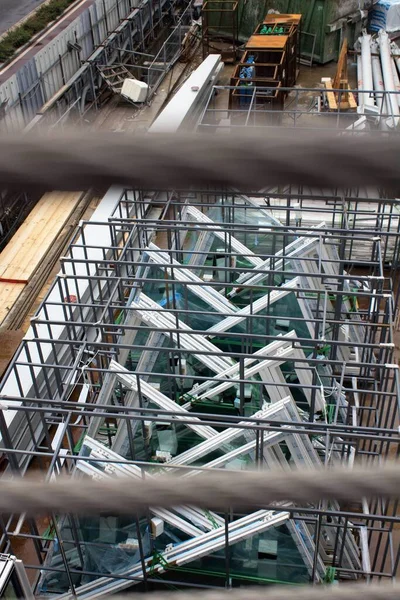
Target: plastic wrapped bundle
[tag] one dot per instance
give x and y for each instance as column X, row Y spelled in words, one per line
column 385, row 15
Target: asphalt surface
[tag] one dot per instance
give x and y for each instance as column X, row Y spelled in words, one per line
column 11, row 11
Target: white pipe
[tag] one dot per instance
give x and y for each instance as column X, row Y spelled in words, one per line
column 396, row 81
column 386, row 60
column 377, row 77
column 367, row 84
column 396, row 67
column 396, row 54
column 360, row 84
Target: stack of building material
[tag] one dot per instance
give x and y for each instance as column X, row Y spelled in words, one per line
column 378, row 79
column 385, row 15
column 30, row 256
column 269, row 61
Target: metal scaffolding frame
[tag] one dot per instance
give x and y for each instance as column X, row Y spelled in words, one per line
column 208, row 329
column 145, row 46
column 222, row 15
column 232, row 107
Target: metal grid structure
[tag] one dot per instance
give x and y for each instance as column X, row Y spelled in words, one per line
column 304, row 108
column 209, row 329
column 222, row 14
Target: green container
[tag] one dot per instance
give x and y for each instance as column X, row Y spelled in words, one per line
column 325, row 23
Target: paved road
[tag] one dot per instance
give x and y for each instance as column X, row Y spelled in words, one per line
column 11, row 11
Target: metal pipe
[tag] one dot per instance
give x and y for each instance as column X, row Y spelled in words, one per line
column 388, row 80
column 378, row 78
column 396, row 54
column 365, row 39
column 396, row 80
column 360, row 83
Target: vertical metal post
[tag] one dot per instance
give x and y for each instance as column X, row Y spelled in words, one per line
column 105, row 17
column 318, row 528
column 8, row 444
column 141, row 552
column 241, row 385
column 91, row 28
column 61, row 68
column 227, row 553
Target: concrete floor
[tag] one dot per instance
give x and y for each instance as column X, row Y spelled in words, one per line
column 11, row 11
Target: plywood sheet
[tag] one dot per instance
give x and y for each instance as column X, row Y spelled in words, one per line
column 283, row 18
column 34, row 238
column 267, row 42
column 330, row 94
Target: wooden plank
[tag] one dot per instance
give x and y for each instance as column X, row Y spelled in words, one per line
column 36, row 243
column 341, row 71
column 330, row 94
column 61, row 212
column 9, row 293
column 352, row 100
column 282, row 18
column 267, row 42
column 17, row 314
column 50, row 274
column 33, row 239
column 16, row 248
column 348, row 102
column 13, row 247
column 6, row 280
